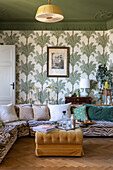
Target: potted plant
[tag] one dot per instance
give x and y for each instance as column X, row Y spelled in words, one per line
column 103, row 75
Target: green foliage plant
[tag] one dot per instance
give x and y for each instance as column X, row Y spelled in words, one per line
column 78, row 92
column 103, row 75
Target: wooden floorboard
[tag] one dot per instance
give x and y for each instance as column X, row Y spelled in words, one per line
column 98, row 155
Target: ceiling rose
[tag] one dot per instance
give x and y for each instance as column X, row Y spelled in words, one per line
column 49, row 13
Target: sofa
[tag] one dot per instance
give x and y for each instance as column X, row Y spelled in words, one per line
column 8, row 136
column 27, row 118
column 20, row 127
column 103, row 118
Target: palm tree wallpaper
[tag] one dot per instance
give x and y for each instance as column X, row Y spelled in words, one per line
column 88, row 49
column 73, row 40
column 58, row 84
column 26, row 66
column 42, row 40
column 103, row 41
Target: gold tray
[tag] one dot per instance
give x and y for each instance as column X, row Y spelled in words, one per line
column 86, row 123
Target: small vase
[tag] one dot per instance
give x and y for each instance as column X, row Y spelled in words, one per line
column 106, row 85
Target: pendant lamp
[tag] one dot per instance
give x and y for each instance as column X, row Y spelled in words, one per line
column 49, row 13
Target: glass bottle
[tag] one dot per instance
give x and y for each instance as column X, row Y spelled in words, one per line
column 64, row 115
column 73, row 121
column 64, row 119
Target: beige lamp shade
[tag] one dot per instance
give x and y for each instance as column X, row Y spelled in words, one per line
column 49, row 13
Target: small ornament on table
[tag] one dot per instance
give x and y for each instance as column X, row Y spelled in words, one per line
column 73, row 95
column 106, row 85
column 78, row 93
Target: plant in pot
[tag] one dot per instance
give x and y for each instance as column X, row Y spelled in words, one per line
column 103, row 75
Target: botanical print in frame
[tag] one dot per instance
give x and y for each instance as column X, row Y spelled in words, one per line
column 57, row 61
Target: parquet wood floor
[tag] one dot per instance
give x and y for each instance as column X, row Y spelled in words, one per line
column 98, row 156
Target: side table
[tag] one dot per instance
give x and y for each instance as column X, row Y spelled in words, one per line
column 78, row 100
column 107, row 92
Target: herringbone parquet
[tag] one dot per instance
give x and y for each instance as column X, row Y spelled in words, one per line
column 98, row 156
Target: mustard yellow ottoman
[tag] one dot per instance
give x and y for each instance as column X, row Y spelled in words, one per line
column 59, row 143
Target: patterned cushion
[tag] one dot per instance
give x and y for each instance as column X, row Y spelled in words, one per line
column 4, row 138
column 22, row 127
column 100, row 128
column 33, row 123
column 8, row 138
column 9, row 129
column 102, row 124
column 80, row 113
column 16, row 123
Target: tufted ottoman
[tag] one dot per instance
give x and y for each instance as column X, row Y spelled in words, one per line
column 59, row 143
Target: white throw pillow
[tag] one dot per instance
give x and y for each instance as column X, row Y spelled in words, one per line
column 7, row 113
column 40, row 112
column 56, row 111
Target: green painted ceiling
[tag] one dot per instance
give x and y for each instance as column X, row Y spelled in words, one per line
column 78, row 15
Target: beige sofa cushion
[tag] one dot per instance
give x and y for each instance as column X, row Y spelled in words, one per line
column 26, row 113
column 40, row 112
column 7, row 113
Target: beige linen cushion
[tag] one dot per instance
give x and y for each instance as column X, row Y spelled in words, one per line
column 40, row 112
column 26, row 113
column 7, row 113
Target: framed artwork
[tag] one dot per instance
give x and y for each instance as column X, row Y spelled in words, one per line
column 57, row 61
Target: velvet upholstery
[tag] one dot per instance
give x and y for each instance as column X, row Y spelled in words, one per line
column 99, row 113
column 59, row 143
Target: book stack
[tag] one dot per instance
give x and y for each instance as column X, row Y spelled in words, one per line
column 44, row 128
